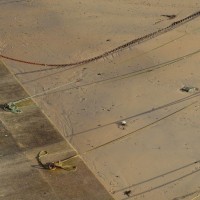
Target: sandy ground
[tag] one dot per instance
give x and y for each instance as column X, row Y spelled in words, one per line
column 159, row 158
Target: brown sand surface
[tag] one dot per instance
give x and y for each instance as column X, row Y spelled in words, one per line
column 159, row 158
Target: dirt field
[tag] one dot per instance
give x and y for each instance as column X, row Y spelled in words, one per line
column 159, row 157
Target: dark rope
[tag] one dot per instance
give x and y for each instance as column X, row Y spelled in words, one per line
column 115, row 50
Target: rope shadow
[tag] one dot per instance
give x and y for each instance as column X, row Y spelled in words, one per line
column 140, row 114
column 156, row 177
column 52, row 68
column 162, row 185
column 123, row 76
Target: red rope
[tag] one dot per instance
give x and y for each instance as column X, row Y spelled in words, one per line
column 107, row 53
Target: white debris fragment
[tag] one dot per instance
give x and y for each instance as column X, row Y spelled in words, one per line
column 123, row 123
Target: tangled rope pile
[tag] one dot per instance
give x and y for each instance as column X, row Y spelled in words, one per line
column 115, row 50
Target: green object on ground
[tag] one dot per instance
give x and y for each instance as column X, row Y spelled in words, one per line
column 11, row 107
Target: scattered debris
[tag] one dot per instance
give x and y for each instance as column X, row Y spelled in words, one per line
column 189, row 89
column 127, row 193
column 11, row 107
column 122, row 124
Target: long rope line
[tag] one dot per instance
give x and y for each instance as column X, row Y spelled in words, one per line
column 139, row 129
column 129, row 44
column 124, row 75
column 123, row 46
column 132, row 132
column 44, row 92
column 115, row 50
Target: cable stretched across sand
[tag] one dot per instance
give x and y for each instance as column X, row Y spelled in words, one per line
column 115, row 50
